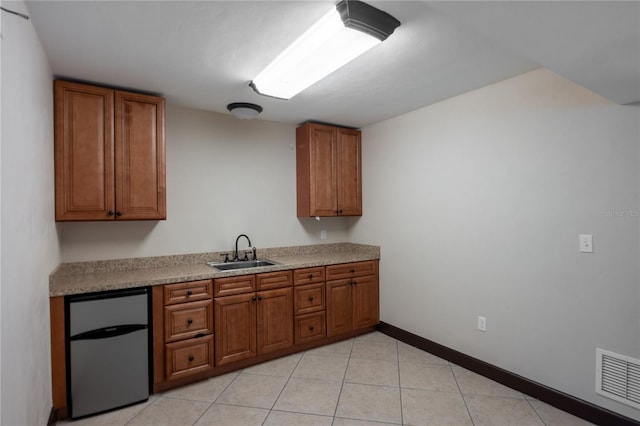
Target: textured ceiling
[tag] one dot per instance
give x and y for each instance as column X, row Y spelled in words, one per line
column 202, row 54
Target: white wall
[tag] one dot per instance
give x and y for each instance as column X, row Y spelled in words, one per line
column 477, row 203
column 224, row 177
column 29, row 239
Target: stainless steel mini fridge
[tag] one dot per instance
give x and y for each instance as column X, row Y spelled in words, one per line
column 108, row 350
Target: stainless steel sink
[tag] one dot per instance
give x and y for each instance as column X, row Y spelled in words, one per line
column 241, row 264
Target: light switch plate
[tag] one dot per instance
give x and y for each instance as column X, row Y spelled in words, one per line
column 586, row 243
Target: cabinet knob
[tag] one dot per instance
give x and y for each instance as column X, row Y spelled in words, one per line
column 190, row 358
column 310, row 298
column 354, row 282
column 111, row 212
column 259, row 297
column 311, row 328
column 310, row 276
column 189, row 292
column 189, row 321
column 353, row 270
column 254, row 298
column 118, row 213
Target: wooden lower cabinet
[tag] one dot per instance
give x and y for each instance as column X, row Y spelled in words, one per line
column 187, row 357
column 235, row 328
column 252, row 324
column 275, row 320
column 352, row 303
column 310, row 327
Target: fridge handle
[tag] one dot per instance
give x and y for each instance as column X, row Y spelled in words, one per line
column 107, row 332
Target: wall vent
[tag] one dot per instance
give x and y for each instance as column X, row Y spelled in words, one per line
column 618, row 377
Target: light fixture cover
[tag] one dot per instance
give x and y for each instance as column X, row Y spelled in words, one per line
column 363, row 17
column 343, row 34
column 244, row 110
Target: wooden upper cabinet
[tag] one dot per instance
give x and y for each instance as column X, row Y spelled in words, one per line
column 109, row 154
column 328, row 171
column 139, row 156
column 349, row 167
column 83, row 124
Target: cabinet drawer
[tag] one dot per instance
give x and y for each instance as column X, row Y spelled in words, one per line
column 188, row 357
column 308, row 275
column 348, row 270
column 308, row 298
column 271, row 280
column 188, row 320
column 234, row 285
column 187, row 292
column 309, row 327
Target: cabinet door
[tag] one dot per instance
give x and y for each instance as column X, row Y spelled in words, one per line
column 365, row 301
column 275, row 320
column 139, row 156
column 339, row 307
column 323, row 176
column 235, row 328
column 83, row 117
column 349, row 171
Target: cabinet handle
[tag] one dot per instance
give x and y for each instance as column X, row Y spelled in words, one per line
column 353, row 270
column 111, row 212
column 310, row 298
column 310, row 276
column 259, row 297
column 311, row 328
column 118, row 213
column 190, row 358
column 189, row 321
column 189, row 292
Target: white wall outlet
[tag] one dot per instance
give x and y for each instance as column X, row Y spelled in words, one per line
column 323, row 234
column 586, row 243
column 482, row 323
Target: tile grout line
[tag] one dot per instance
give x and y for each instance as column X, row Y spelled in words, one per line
column 534, row 410
column 335, row 410
column 399, row 382
column 140, row 412
column 462, row 395
column 216, row 398
column 285, row 385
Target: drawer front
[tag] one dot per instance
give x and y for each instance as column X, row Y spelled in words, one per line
column 348, row 270
column 271, row 280
column 188, row 292
column 234, row 285
column 310, row 327
column 308, row 275
column 308, row 298
column 188, row 357
column 187, row 320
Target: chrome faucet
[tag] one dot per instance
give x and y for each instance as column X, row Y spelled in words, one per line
column 235, row 255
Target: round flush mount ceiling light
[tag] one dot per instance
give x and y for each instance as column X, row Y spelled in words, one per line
column 244, row 111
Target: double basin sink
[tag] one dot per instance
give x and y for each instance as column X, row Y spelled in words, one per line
column 241, row 264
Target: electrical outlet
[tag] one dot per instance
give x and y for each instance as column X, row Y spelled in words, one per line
column 482, row 323
column 586, row 243
column 323, row 234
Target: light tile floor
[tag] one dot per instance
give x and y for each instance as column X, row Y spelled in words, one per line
column 370, row 380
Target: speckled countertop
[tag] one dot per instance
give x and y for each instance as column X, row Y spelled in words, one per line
column 87, row 277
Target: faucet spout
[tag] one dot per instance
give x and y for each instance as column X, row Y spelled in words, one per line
column 235, row 255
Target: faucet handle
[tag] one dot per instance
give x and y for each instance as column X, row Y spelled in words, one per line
column 246, row 254
column 226, row 257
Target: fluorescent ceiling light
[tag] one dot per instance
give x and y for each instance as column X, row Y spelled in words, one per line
column 342, row 35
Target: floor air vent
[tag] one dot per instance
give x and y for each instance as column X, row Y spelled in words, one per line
column 618, row 377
